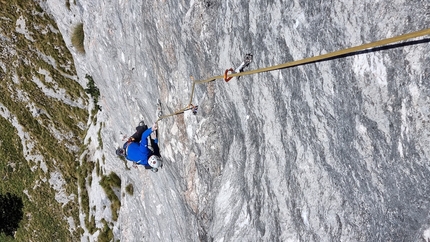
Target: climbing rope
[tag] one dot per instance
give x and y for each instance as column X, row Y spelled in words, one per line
column 330, row 55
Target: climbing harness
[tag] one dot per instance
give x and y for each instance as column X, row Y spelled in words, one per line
column 230, row 73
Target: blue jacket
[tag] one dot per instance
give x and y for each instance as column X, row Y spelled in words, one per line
column 139, row 152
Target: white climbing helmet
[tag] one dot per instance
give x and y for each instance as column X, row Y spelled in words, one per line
column 154, row 161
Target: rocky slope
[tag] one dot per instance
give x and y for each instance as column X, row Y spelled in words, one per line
column 330, row 151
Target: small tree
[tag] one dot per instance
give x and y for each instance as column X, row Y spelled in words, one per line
column 93, row 90
column 10, row 213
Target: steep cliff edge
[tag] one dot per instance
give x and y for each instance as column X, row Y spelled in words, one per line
column 330, row 151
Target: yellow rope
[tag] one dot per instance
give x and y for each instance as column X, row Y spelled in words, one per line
column 306, row 61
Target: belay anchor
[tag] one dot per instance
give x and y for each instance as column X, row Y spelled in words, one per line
column 193, row 108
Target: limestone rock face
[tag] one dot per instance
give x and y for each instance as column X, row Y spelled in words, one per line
column 330, row 151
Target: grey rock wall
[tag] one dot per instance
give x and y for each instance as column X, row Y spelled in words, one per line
column 330, row 151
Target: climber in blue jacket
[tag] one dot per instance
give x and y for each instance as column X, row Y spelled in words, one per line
column 138, row 149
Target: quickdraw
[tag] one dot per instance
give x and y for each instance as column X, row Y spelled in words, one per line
column 226, row 74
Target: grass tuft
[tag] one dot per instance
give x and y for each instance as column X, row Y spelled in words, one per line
column 129, row 188
column 110, row 184
column 78, row 37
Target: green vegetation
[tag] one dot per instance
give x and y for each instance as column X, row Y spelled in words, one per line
column 94, row 92
column 53, row 130
column 78, row 37
column 98, row 169
column 125, row 162
column 36, row 60
column 92, row 88
column 91, row 225
column 110, row 184
column 129, row 189
column 100, row 140
column 84, row 180
column 106, row 234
